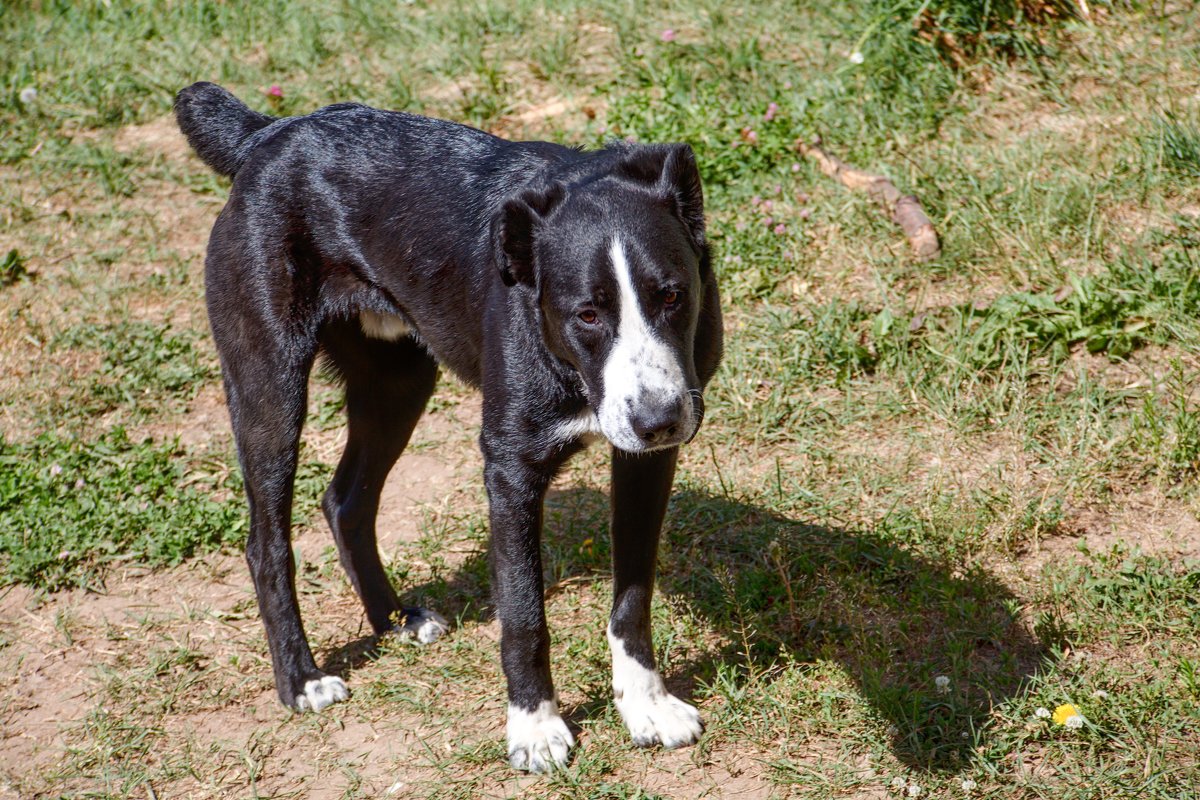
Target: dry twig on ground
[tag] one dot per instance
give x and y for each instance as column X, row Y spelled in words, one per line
column 904, row 209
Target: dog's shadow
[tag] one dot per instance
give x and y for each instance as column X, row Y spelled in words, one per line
column 782, row 593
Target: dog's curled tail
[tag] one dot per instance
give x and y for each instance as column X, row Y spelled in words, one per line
column 218, row 126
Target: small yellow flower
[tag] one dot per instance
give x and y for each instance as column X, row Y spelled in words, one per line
column 1066, row 714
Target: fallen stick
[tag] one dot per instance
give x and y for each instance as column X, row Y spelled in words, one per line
column 905, row 209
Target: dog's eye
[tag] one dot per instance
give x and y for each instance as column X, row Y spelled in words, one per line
column 670, row 298
column 589, row 317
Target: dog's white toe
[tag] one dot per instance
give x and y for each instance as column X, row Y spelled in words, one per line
column 321, row 693
column 664, row 720
column 538, row 741
column 652, row 714
column 423, row 626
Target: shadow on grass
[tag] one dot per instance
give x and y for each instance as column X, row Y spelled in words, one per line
column 785, row 593
column 350, row 656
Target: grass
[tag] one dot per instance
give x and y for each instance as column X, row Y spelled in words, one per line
column 136, row 357
column 70, row 508
column 981, row 468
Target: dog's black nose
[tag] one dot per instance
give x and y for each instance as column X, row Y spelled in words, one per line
column 654, row 425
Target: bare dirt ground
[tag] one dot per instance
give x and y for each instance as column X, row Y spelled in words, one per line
column 64, row 649
column 74, row 662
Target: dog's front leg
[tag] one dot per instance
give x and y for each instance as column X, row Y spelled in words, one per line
column 641, row 485
column 538, row 738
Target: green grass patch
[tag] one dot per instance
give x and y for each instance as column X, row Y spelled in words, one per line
column 144, row 368
column 12, row 268
column 71, row 509
column 1134, row 303
column 1125, row 594
column 790, row 593
column 1175, row 144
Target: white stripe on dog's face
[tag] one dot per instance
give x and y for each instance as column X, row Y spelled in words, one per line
column 642, row 371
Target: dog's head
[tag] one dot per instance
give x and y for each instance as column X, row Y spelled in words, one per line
column 618, row 264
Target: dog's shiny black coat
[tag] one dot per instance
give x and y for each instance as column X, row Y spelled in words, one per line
column 487, row 250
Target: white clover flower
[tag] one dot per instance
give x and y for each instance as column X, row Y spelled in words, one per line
column 1100, row 694
column 857, row 57
column 899, row 783
column 968, row 785
column 914, row 790
column 942, row 683
column 1074, row 722
column 28, row 95
column 1042, row 713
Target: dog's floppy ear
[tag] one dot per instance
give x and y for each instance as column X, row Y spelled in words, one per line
column 680, row 182
column 515, row 228
column 672, row 172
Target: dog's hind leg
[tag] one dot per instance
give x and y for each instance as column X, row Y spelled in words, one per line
column 387, row 384
column 266, row 375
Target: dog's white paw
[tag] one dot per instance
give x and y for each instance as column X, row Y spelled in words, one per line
column 321, row 693
column 422, row 626
column 538, row 741
column 652, row 714
column 664, row 720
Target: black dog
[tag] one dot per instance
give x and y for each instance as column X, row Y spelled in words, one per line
column 574, row 288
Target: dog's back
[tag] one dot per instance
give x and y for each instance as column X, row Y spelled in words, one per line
column 352, row 208
column 319, row 201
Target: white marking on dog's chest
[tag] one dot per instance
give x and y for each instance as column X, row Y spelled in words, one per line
column 583, row 425
column 383, row 326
